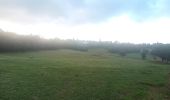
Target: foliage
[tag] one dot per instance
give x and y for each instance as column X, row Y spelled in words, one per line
column 162, row 51
column 11, row 42
column 124, row 48
column 144, row 53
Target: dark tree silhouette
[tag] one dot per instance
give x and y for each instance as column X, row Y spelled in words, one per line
column 162, row 51
column 11, row 42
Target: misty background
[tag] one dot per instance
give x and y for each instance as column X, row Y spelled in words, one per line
column 122, row 27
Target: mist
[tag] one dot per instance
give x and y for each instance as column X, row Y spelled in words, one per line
column 84, row 50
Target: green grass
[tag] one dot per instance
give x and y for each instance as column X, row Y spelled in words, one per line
column 74, row 75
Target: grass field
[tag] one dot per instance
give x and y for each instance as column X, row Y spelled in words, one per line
column 74, row 75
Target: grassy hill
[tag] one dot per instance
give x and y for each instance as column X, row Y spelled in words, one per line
column 74, row 75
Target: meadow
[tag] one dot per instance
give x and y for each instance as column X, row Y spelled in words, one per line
column 76, row 75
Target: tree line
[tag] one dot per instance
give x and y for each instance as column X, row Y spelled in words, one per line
column 11, row 42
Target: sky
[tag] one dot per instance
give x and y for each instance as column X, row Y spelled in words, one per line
column 135, row 21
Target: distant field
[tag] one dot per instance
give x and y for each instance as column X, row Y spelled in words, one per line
column 74, row 75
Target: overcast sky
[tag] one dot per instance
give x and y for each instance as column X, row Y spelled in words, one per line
column 134, row 21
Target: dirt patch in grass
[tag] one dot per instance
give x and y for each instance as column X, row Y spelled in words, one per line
column 168, row 89
column 155, row 90
column 159, row 62
column 151, row 84
column 159, row 92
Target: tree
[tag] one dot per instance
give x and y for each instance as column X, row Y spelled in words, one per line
column 144, row 53
column 162, row 51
